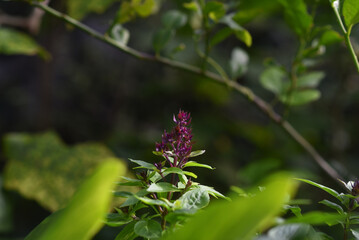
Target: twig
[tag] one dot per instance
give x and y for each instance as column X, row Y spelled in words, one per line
column 248, row 93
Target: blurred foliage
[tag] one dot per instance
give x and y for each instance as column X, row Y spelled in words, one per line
column 83, row 215
column 43, row 168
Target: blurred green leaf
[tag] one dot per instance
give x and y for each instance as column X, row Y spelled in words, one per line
column 127, row 233
column 318, row 218
column 241, row 33
column 130, row 9
column 80, row 8
column 300, row 97
column 148, row 229
column 241, row 218
column 161, row 38
column 220, row 36
column 143, row 164
column 43, row 168
column 215, row 10
column 238, row 62
column 355, row 233
column 310, row 80
column 250, row 9
column 251, row 173
column 350, row 11
column 83, row 216
column 15, row 42
column 120, row 34
column 332, row 205
column 272, row 79
column 296, row 15
column 193, row 6
column 174, row 19
column 295, row 231
column 330, row 37
column 197, row 153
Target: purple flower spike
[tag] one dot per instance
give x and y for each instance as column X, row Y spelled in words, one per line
column 177, row 145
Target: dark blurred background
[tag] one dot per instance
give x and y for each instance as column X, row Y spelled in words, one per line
column 90, row 91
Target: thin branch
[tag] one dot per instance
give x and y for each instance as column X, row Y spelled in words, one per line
column 246, row 92
column 346, row 32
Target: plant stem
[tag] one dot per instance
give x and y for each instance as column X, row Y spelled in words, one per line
column 246, row 92
column 346, row 34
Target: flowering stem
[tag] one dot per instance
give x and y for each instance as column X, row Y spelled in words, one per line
column 246, row 92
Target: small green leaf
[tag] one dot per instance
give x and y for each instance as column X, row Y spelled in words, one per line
column 297, row 17
column 161, row 38
column 120, row 34
column 162, row 187
column 220, row 36
column 241, row 33
column 238, row 63
column 310, row 80
column 294, row 231
column 193, row 6
column 157, row 202
column 127, row 233
column 332, row 205
column 123, row 194
column 15, row 42
column 130, row 9
column 318, row 218
column 272, row 79
column 324, row 188
column 213, row 192
column 350, row 11
column 134, row 199
column 80, row 8
column 194, row 199
column 143, row 164
column 330, row 37
column 144, row 8
column 130, row 182
column 215, row 10
column 191, row 174
column 197, row 153
column 172, row 170
column 174, row 19
column 196, row 164
column 116, row 220
column 297, row 211
column 148, row 229
column 300, row 97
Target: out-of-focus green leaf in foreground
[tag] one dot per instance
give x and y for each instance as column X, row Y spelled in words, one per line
column 43, row 168
column 83, row 216
column 241, row 218
column 16, row 42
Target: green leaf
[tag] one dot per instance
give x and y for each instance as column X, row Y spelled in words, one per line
column 80, row 8
column 116, row 219
column 123, row 194
column 130, row 182
column 272, row 79
column 300, row 97
column 241, row 33
column 197, row 153
column 318, row 218
column 297, row 17
column 83, row 216
column 194, row 199
column 196, row 164
column 350, row 11
column 161, row 38
column 134, row 199
column 41, row 167
column 294, row 231
column 310, row 80
column 238, row 62
column 220, row 36
column 120, row 34
column 214, row 10
column 330, row 37
column 143, row 164
column 15, row 42
column 241, row 218
column 148, row 229
column 174, row 19
column 324, row 188
column 159, row 202
column 355, row 233
column 332, row 205
column 212, row 191
column 162, row 187
column 127, row 233
column 297, row 211
column 130, row 9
